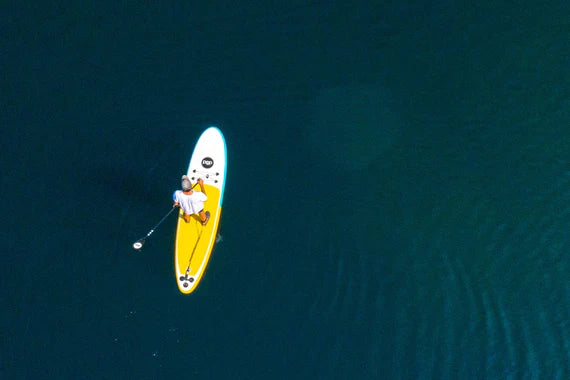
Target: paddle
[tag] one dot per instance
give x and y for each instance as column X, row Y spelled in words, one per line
column 139, row 243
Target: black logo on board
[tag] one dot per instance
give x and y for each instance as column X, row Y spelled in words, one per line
column 207, row 162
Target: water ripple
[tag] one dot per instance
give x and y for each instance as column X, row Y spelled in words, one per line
column 475, row 288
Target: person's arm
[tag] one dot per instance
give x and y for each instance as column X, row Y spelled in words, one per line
column 201, row 183
column 175, row 199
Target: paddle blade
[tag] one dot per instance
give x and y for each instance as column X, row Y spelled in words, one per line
column 138, row 244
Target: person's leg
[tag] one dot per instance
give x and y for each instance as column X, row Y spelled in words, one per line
column 202, row 216
column 187, row 218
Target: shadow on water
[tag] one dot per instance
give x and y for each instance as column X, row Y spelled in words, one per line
column 126, row 183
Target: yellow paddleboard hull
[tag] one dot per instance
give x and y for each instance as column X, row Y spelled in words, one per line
column 194, row 243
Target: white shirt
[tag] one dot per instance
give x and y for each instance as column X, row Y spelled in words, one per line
column 191, row 204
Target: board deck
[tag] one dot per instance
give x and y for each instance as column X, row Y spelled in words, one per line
column 194, row 243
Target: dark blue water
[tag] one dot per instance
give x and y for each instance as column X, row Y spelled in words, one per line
column 397, row 198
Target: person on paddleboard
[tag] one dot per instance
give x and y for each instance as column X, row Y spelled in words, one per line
column 191, row 202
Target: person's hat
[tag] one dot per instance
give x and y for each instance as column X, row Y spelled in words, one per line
column 186, row 185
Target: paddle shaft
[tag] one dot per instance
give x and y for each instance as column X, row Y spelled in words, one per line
column 159, row 223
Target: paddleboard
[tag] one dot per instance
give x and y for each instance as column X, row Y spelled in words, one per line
column 194, row 242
